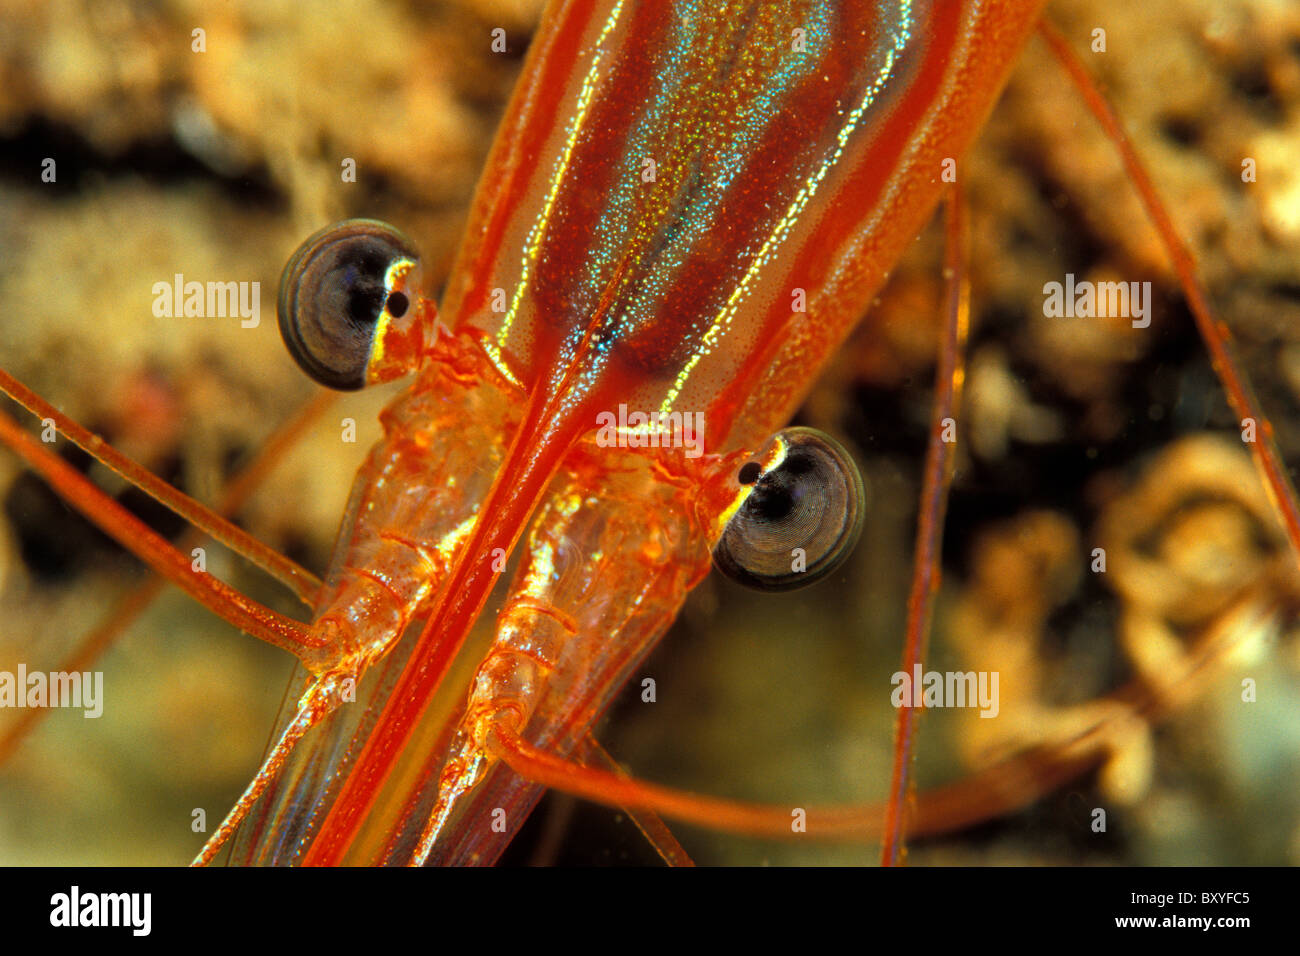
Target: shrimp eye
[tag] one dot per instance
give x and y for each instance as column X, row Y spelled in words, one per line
column 346, row 299
column 800, row 515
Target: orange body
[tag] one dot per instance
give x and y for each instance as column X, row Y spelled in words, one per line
column 686, row 211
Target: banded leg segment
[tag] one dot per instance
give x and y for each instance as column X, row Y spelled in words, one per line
column 1002, row 788
column 132, row 604
column 155, row 551
column 303, row 583
column 950, row 374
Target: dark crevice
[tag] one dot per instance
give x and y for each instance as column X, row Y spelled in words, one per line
column 160, row 160
column 56, row 542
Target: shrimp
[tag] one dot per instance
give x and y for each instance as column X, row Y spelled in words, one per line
column 812, row 768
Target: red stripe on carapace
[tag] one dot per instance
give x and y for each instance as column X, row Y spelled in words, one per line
column 839, row 246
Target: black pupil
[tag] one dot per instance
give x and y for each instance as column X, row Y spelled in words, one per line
column 775, row 501
column 782, row 487
column 397, row 305
column 749, row 473
column 363, row 280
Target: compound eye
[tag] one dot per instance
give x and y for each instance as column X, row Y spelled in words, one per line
column 338, row 294
column 801, row 517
